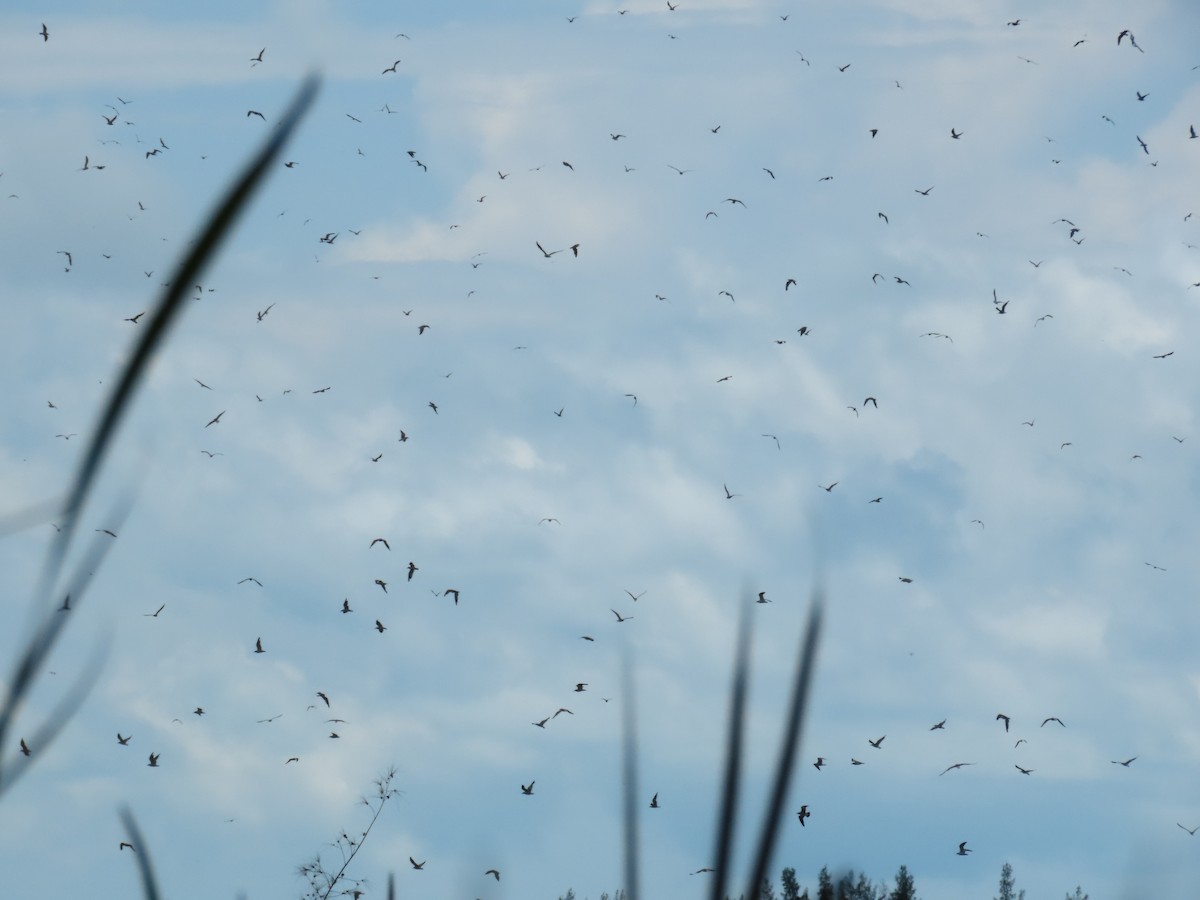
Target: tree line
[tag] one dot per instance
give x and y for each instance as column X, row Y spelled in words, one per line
column 851, row 885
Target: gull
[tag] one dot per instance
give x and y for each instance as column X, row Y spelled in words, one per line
column 495, row 873
column 845, row 67
column 154, row 615
column 380, row 627
column 1000, row 716
column 702, row 871
column 324, row 697
column 1142, row 144
column 620, row 618
column 555, row 521
column 900, row 280
column 67, row 254
column 123, row 741
column 1051, row 719
column 634, row 396
column 1191, row 831
column 45, row 33
column 633, row 596
column 820, row 762
column 733, row 200
column 250, row 578
column 382, row 584
column 581, row 687
column 615, row 137
column 939, row 726
column 876, row 743
column 953, row 767
column 925, row 193
column 568, row 165
column 391, row 68
column 962, row 849
column 291, row 759
column 769, row 172
column 762, row 597
column 153, row 760
column 105, row 531
column 259, row 58
column 433, row 406
column 955, row 134
column 830, row 488
column 789, row 283
column 124, row 844
column 415, row 864
column 1124, row 763
column 215, row 419
column 885, row 218
column 654, row 802
column 546, row 253
column 380, row 540
column 258, row 647
column 563, row 709
column 1023, row 771
column 262, row 313
column 728, row 494
column 527, row 790
column 1165, row 355
column 453, row 591
column 680, row 171
column 255, row 112
column 1140, row 95
column 412, row 567
column 202, row 384
column 1129, row 34
column 1014, row 23
column 803, row 814
column 24, row 747
column 199, row 711
column 346, row 606
column 1041, row 318
column 542, row 724
column 775, row 439
column 268, row 721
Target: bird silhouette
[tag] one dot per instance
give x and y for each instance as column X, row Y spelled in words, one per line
column 258, row 647
column 417, row 865
column 123, row 741
column 1124, row 763
column 953, row 767
column 962, row 849
column 153, row 760
column 803, row 814
column 620, row 618
column 527, row 790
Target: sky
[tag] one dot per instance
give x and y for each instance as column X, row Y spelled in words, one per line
column 755, row 216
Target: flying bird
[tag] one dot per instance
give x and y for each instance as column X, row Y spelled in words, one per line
column 255, row 112
column 939, row 726
column 1023, row 771
column 819, row 763
column 620, row 618
column 380, row 540
column 654, row 802
column 380, row 627
column 1124, row 763
column 1052, row 719
column 803, row 814
column 258, row 647
column 215, row 419
column 495, row 873
column 417, row 865
column 24, row 747
column 876, row 743
column 953, row 767
column 323, row 696
column 153, row 760
column 527, row 790
column 962, row 849
column 123, row 741
column 391, row 68
column 1000, row 716
column 45, row 33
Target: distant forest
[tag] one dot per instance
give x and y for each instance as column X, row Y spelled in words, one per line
column 851, row 885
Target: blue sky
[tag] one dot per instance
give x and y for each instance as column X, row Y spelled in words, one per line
column 1052, row 564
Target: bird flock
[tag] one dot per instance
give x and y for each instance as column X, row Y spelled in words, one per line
column 618, row 347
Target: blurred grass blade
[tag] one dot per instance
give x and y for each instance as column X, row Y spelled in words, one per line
column 630, row 780
column 37, row 650
column 218, row 227
column 733, row 758
column 142, row 854
column 772, row 820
